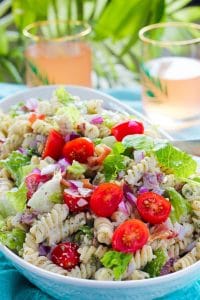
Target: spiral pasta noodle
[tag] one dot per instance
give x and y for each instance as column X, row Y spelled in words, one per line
column 54, row 227
column 104, row 274
column 191, row 191
column 148, row 164
column 41, row 127
column 189, row 259
column 142, row 257
column 13, row 142
column 104, row 230
column 87, row 252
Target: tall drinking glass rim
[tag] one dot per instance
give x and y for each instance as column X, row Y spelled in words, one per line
column 169, row 43
column 84, row 30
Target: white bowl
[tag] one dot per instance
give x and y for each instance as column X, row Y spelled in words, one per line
column 62, row 287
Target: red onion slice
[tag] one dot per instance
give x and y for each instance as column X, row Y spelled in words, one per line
column 31, row 104
column 122, row 207
column 97, row 120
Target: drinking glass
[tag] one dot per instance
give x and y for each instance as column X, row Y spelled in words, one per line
column 57, row 52
column 170, row 73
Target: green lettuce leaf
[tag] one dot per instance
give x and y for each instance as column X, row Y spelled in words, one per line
column 56, row 197
column 13, row 201
column 63, row 96
column 174, row 160
column 114, row 162
column 154, row 267
column 181, row 206
column 13, row 164
column 76, row 168
column 138, row 142
column 116, row 261
column 71, row 113
column 13, row 239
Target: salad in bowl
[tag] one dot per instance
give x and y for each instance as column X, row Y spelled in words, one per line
column 91, row 193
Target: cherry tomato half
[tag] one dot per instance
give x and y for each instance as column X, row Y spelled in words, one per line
column 65, row 255
column 127, row 128
column 54, row 145
column 153, row 208
column 130, row 236
column 32, row 181
column 78, row 149
column 105, row 199
column 75, row 201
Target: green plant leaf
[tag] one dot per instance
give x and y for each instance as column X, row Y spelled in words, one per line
column 3, row 42
column 5, row 5
column 154, row 267
column 176, row 5
column 189, row 14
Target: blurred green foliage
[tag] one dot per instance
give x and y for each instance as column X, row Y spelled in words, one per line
column 115, row 29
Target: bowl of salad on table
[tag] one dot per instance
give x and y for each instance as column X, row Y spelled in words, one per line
column 93, row 200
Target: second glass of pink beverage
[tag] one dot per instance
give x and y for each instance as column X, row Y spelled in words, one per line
column 170, row 74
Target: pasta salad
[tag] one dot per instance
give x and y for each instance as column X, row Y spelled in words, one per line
column 90, row 193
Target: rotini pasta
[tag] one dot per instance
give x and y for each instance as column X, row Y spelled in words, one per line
column 104, row 230
column 88, row 252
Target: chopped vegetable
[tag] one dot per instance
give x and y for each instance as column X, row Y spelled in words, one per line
column 130, row 236
column 63, row 96
column 174, row 160
column 116, row 261
column 13, row 239
column 181, row 207
column 54, row 145
column 13, row 164
column 76, row 168
column 105, row 199
column 153, row 208
column 138, row 142
column 13, row 201
column 65, row 255
column 126, row 128
column 154, row 267
column 114, row 162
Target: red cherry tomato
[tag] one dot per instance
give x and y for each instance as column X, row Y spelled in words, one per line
column 127, row 128
column 130, row 236
column 65, row 255
column 75, row 201
column 153, row 208
column 105, row 199
column 32, row 181
column 78, row 149
column 54, row 145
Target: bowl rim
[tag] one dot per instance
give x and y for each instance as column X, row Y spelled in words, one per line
column 91, row 282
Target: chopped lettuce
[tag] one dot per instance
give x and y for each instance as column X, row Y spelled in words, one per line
column 181, row 206
column 2, row 222
column 13, row 239
column 24, row 171
column 76, row 168
column 116, row 261
column 109, row 141
column 13, row 201
column 63, row 96
column 174, row 160
column 138, row 142
column 71, row 113
column 42, row 198
column 13, row 163
column 154, row 267
column 114, row 162
column 56, row 197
